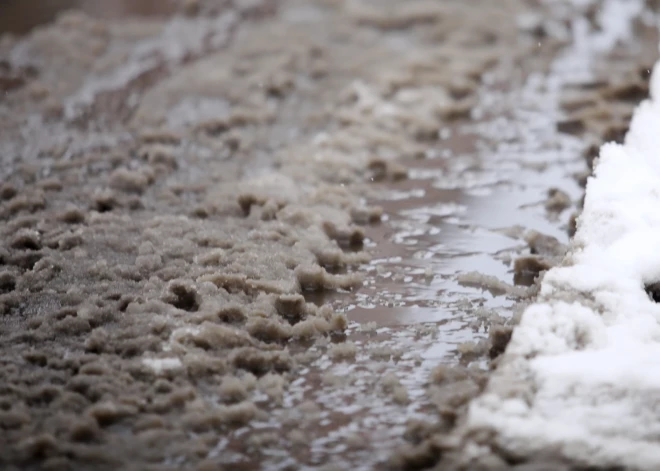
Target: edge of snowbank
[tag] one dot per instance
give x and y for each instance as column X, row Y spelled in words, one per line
column 581, row 375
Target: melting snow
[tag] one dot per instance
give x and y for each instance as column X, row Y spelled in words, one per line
column 581, row 375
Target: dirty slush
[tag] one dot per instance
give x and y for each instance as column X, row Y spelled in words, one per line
column 194, row 209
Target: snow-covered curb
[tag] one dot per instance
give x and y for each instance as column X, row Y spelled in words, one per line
column 581, row 376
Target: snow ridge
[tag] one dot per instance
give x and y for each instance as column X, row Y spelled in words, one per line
column 581, row 376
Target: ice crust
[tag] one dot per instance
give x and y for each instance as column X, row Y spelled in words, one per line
column 581, row 376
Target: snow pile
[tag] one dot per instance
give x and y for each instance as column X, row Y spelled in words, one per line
column 581, row 376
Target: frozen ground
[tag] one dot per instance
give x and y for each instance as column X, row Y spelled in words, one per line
column 284, row 235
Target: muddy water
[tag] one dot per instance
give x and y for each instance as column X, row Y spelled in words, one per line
column 452, row 217
column 464, row 208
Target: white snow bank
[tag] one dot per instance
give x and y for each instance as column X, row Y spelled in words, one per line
column 581, row 376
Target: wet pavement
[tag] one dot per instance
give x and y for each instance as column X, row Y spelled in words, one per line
column 455, row 216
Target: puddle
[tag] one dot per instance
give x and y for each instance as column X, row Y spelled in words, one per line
column 451, row 216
